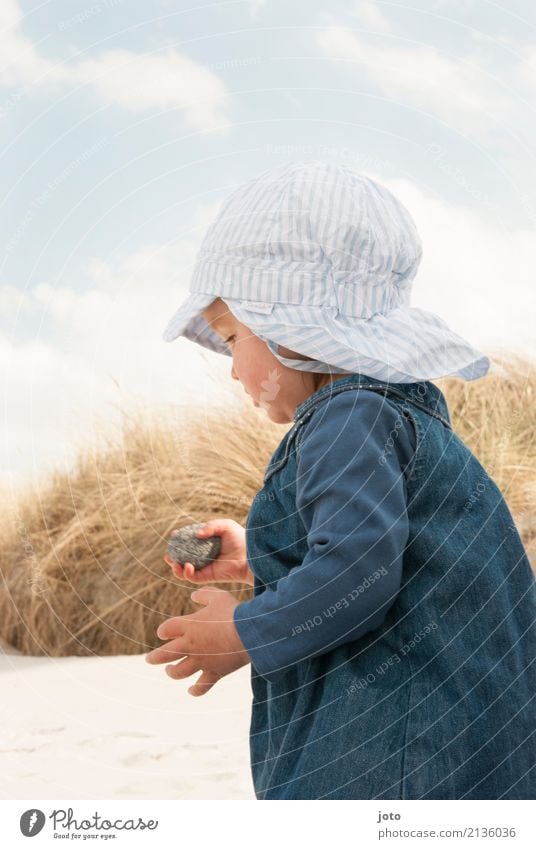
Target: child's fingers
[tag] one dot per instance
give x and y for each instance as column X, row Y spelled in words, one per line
column 184, row 668
column 212, row 528
column 167, row 559
column 187, row 571
column 165, row 654
column 190, row 572
column 204, row 683
column 178, row 570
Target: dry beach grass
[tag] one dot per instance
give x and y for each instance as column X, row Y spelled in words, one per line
column 81, row 557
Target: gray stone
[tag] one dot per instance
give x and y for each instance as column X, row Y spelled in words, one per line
column 185, row 547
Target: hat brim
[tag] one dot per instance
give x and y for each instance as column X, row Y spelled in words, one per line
column 188, row 321
column 404, row 345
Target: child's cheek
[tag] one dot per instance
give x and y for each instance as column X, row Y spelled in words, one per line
column 246, row 368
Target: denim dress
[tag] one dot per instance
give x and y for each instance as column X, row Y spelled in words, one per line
column 433, row 698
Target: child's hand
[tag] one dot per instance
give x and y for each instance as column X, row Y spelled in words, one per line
column 231, row 563
column 205, row 641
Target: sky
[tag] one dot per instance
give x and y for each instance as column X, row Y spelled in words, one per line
column 124, row 125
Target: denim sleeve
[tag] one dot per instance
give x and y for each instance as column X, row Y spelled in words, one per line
column 351, row 496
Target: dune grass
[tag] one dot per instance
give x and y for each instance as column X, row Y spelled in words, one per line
column 81, row 557
column 496, row 417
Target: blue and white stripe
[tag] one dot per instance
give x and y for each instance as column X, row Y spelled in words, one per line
column 320, row 259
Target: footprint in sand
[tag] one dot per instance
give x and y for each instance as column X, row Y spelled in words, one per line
column 160, row 751
column 143, row 758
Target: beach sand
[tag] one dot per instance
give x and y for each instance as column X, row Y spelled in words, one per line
column 119, row 728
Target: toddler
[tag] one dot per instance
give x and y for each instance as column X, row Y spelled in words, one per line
column 391, row 634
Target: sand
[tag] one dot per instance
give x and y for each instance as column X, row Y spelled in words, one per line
column 119, row 728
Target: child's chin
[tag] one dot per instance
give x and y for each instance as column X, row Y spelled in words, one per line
column 274, row 414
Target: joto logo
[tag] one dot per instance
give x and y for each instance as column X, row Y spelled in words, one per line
column 31, row 822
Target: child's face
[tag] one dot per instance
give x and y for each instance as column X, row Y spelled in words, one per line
column 270, row 384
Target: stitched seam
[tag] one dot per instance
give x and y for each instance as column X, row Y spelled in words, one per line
column 416, row 464
column 403, row 782
column 414, row 469
column 281, row 462
column 382, row 388
column 245, row 267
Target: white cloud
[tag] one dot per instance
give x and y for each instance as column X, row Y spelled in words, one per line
column 10, row 300
column 205, row 213
column 163, row 268
column 133, row 81
column 478, row 277
column 165, row 80
column 21, row 63
column 526, row 70
column 369, row 13
column 104, row 352
column 107, row 356
column 457, row 91
column 51, row 403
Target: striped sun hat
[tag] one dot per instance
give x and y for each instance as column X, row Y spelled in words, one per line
column 320, row 259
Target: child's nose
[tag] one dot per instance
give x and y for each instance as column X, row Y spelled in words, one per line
column 233, row 373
